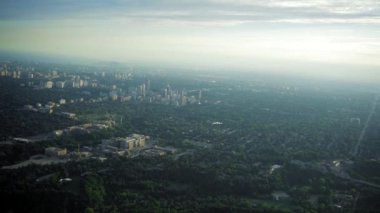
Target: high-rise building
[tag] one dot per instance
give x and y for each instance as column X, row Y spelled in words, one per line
column 54, row 73
column 141, row 90
column 165, row 93
column 183, row 100
column 169, row 89
column 48, row 84
column 113, row 95
column 147, row 85
column 85, row 83
column 78, row 83
column 60, row 84
column 200, row 96
column 16, row 74
column 62, row 101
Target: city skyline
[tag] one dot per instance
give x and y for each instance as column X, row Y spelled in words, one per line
column 333, row 39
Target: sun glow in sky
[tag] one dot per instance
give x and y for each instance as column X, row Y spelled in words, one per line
column 302, row 36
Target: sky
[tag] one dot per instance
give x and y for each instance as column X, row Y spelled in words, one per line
column 332, row 38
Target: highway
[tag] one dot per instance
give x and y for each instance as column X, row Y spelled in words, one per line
column 355, row 149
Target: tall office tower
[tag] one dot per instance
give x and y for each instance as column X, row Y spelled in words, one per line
column 147, row 85
column 169, row 89
column 183, row 92
column 165, row 93
column 183, row 100
column 143, row 90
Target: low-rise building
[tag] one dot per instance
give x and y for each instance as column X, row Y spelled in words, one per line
column 122, row 144
column 45, row 109
column 50, row 104
column 169, row 150
column 280, row 195
column 55, row 152
column 68, row 115
column 57, row 133
column 30, row 108
column 153, row 152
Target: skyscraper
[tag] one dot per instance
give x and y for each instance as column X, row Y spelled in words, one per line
column 147, row 85
column 200, row 96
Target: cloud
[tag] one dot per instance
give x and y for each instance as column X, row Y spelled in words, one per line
column 198, row 11
column 267, row 34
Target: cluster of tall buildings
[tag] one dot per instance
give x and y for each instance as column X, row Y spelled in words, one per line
column 143, row 89
column 178, row 97
column 120, row 75
column 75, row 82
column 47, row 80
column 46, row 108
column 143, row 93
column 112, row 81
column 6, row 71
column 10, row 74
column 19, row 71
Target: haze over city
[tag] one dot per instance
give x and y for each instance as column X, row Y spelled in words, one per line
column 334, row 39
column 267, row 106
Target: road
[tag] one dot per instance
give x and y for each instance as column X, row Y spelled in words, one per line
column 355, row 202
column 364, row 182
column 35, row 161
column 188, row 152
column 355, row 150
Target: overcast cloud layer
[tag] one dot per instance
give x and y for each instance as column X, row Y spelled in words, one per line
column 338, row 38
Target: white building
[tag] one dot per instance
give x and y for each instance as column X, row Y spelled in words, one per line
column 62, row 101
column 128, row 143
column 48, row 84
column 78, row 83
column 134, row 141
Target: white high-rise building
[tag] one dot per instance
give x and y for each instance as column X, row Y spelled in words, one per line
column 48, row 84
column 62, row 101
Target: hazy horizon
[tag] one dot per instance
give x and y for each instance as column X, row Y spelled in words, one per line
column 331, row 39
